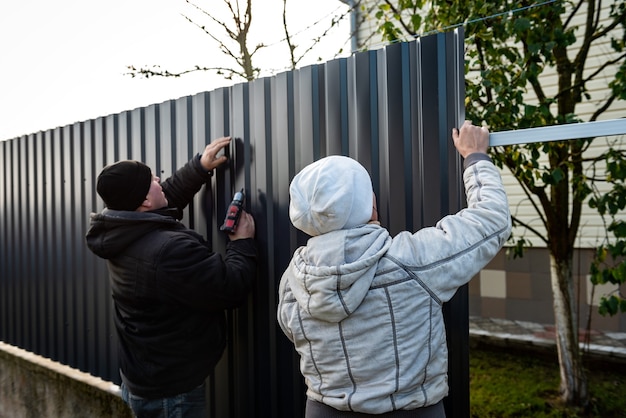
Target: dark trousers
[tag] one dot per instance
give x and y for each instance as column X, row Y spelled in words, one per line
column 191, row 404
column 316, row 409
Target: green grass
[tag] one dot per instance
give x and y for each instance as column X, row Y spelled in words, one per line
column 505, row 382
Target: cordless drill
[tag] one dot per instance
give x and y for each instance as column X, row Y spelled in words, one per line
column 234, row 212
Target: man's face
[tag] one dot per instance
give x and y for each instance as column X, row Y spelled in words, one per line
column 155, row 194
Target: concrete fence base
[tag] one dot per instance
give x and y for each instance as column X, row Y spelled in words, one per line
column 34, row 386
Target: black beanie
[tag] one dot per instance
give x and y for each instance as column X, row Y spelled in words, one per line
column 124, row 185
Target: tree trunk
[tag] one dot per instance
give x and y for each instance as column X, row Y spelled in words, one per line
column 573, row 387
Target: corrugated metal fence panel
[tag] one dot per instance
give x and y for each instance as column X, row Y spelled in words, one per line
column 391, row 109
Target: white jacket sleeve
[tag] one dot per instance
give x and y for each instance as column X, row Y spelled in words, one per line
column 449, row 254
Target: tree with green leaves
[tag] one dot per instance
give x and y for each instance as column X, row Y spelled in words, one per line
column 514, row 51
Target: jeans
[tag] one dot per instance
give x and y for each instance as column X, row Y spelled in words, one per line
column 191, row 404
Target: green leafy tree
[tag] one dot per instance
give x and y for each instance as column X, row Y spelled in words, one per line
column 510, row 47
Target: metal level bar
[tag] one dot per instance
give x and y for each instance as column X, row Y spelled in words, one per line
column 559, row 132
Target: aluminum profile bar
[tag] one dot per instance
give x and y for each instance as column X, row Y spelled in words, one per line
column 559, row 132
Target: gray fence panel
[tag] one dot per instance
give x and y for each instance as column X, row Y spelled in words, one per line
column 391, row 109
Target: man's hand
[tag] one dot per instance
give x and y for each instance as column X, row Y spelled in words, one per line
column 470, row 139
column 208, row 159
column 245, row 227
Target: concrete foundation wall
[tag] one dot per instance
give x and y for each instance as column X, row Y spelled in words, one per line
column 37, row 387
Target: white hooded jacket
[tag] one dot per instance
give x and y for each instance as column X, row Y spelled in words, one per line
column 363, row 309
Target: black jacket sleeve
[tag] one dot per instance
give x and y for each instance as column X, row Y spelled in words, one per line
column 190, row 274
column 183, row 185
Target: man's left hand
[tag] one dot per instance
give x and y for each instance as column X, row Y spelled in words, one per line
column 209, row 159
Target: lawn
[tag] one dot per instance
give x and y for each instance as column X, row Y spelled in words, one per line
column 505, row 382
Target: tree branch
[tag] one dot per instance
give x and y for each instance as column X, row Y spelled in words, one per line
column 155, row 71
column 517, row 221
column 395, row 11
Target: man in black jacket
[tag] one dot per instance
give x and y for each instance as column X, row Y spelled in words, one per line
column 169, row 289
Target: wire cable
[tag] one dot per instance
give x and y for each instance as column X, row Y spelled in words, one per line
column 481, row 19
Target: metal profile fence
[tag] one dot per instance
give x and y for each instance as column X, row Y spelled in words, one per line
column 392, row 109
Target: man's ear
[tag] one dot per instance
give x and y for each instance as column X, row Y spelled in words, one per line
column 374, row 217
column 146, row 205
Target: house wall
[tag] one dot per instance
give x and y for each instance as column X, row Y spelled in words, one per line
column 520, row 289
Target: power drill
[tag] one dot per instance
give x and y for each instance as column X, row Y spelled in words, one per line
column 234, row 212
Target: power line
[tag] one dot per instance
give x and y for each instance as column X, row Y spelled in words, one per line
column 480, row 19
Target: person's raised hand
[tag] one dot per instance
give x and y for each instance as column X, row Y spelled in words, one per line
column 245, row 227
column 209, row 159
column 470, row 139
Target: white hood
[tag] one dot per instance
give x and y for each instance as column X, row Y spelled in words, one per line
column 332, row 274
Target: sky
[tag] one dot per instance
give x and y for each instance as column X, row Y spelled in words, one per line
column 64, row 61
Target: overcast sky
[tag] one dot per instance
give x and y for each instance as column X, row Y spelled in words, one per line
column 63, row 61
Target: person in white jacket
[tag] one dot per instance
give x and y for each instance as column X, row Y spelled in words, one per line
column 363, row 309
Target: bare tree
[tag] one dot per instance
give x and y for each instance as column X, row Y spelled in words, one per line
column 232, row 37
column 294, row 58
column 231, row 41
